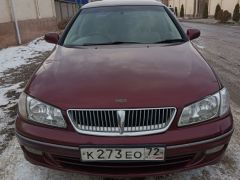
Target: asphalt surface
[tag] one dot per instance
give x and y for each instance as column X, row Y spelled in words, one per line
column 220, row 45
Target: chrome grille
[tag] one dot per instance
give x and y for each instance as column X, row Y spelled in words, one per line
column 107, row 122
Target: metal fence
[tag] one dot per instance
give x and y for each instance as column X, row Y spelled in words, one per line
column 66, row 9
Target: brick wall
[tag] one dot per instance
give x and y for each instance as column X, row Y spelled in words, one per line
column 7, row 34
column 29, row 29
column 35, row 18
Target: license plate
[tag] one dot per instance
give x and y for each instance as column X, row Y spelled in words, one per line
column 123, row 154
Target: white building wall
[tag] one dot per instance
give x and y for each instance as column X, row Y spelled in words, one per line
column 212, row 6
column 229, row 5
column 175, row 3
column 25, row 9
column 5, row 15
column 46, row 8
column 189, row 5
column 225, row 5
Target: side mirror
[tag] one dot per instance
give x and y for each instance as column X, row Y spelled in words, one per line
column 52, row 37
column 193, row 34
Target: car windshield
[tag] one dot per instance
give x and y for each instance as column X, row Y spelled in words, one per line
column 122, row 24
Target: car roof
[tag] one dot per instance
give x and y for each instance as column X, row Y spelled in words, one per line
column 104, row 3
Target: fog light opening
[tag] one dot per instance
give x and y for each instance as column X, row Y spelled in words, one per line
column 33, row 151
column 214, row 150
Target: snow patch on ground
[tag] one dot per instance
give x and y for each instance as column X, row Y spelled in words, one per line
column 199, row 43
column 13, row 57
column 14, row 166
column 4, row 89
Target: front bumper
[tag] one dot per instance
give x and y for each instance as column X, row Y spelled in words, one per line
column 187, row 148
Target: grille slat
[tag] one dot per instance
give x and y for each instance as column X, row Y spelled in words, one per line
column 155, row 119
column 114, row 120
column 151, row 116
column 132, row 126
column 109, row 122
column 105, row 121
column 163, row 117
column 137, row 121
column 101, row 121
column 92, row 120
column 147, row 114
column 159, row 118
column 140, row 120
column 89, row 121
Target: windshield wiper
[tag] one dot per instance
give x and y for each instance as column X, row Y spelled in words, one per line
column 170, row 41
column 127, row 42
column 110, row 43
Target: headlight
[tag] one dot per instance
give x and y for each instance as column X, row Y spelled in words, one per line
column 40, row 112
column 208, row 108
column 225, row 102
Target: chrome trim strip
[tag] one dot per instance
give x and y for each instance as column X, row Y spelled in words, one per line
column 201, row 142
column 167, row 147
column 117, row 134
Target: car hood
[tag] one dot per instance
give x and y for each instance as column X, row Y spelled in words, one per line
column 130, row 76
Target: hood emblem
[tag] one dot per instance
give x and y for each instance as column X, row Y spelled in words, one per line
column 121, row 100
column 121, row 120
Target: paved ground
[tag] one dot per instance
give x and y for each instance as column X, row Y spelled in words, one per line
column 207, row 21
column 220, row 45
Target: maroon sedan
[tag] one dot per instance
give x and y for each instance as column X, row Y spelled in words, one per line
column 124, row 93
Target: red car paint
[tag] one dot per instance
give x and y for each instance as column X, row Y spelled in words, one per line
column 147, row 76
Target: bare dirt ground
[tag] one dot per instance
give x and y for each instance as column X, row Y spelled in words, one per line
column 220, row 45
